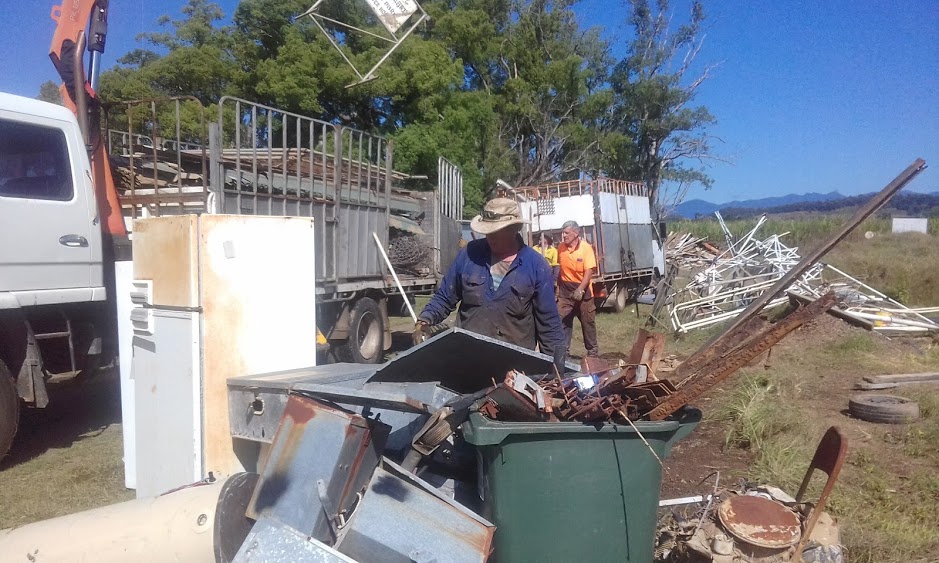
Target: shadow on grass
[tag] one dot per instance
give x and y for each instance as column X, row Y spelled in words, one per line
column 76, row 411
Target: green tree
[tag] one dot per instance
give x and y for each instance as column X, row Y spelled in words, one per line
column 49, row 92
column 656, row 130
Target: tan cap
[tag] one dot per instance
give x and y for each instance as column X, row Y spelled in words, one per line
column 497, row 214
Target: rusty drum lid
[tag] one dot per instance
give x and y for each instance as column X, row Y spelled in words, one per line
column 760, row 522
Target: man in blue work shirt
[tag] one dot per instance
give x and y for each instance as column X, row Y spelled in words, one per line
column 505, row 289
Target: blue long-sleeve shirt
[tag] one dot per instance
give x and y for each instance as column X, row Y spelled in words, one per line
column 522, row 311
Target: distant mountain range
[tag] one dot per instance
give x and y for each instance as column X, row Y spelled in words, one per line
column 694, row 207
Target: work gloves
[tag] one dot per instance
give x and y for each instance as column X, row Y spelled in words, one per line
column 578, row 294
column 419, row 332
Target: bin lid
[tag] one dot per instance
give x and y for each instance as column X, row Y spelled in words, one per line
column 482, row 431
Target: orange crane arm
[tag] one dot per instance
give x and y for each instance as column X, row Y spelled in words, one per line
column 83, row 25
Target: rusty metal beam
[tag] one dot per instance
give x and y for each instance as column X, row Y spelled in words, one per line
column 693, row 364
column 810, row 259
column 740, row 356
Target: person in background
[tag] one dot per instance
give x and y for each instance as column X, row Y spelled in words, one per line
column 505, row 290
column 547, row 249
column 575, row 298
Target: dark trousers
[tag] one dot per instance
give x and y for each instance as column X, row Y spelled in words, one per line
column 586, row 312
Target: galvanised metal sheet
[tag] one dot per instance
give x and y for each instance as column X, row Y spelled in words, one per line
column 463, row 361
column 624, row 209
column 316, row 442
column 271, row 541
column 621, row 239
column 550, row 214
column 402, row 518
column 359, row 256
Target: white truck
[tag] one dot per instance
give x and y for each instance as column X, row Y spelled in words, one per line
column 57, row 314
column 615, row 218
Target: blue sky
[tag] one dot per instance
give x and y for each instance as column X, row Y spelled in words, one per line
column 809, row 96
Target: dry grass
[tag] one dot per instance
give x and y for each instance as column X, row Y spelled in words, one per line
column 67, row 458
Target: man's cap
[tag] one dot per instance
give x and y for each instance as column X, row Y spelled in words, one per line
column 497, row 214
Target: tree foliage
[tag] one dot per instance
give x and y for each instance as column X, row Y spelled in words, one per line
column 512, row 89
column 49, row 92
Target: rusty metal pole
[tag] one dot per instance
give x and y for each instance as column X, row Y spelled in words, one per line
column 740, row 356
column 808, row 261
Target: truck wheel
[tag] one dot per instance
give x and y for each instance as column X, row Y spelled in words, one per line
column 621, row 298
column 365, row 344
column 9, row 410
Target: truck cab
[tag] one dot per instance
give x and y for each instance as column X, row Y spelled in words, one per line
column 51, row 259
column 47, row 208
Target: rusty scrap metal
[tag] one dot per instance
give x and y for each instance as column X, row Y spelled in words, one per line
column 518, row 399
column 760, row 522
column 716, row 371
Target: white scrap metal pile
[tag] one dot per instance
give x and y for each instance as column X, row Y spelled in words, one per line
column 750, row 265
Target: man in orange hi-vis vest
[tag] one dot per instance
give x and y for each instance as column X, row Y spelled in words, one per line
column 575, row 298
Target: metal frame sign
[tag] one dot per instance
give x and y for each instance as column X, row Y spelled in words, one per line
column 392, row 14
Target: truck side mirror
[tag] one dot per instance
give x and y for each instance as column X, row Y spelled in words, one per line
column 663, row 231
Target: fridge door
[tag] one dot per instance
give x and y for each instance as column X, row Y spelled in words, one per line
column 167, row 381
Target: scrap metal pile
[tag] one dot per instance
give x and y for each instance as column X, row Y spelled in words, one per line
column 600, row 392
column 688, row 251
column 751, row 265
column 754, row 523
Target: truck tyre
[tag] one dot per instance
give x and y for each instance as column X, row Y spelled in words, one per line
column 365, row 344
column 9, row 410
column 888, row 409
column 621, row 298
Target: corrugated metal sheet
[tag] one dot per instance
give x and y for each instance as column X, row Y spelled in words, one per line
column 359, row 255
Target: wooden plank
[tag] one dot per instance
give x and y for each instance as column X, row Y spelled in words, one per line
column 862, row 386
column 903, row 377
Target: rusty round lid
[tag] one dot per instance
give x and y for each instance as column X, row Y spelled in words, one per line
column 759, row 521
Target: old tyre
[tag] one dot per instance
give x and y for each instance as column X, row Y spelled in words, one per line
column 9, row 410
column 888, row 409
column 621, row 298
column 365, row 344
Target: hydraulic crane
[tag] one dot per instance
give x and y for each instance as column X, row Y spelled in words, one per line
column 83, row 25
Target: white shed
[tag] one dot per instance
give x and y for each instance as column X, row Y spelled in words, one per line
column 910, row 225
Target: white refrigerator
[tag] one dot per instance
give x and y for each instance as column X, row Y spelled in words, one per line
column 214, row 296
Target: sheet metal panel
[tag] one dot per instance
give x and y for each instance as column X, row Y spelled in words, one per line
column 624, row 209
column 550, row 214
column 316, row 442
column 636, row 239
column 359, row 256
column 910, row 225
column 463, row 361
column 271, row 541
column 402, row 518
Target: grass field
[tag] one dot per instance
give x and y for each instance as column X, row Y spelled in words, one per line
column 763, row 424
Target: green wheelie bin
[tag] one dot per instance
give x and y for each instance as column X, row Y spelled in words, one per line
column 573, row 492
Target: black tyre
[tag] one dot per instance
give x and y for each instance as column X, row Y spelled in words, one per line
column 621, row 299
column 888, row 409
column 366, row 334
column 9, row 410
